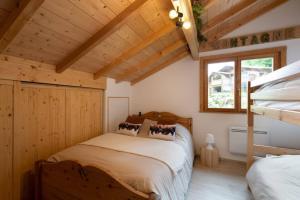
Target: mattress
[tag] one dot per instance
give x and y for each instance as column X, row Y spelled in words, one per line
column 291, row 86
column 143, row 173
column 275, row 178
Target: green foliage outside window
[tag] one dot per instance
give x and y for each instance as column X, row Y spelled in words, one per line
column 258, row 63
column 221, row 100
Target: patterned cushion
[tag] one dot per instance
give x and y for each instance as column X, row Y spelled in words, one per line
column 128, row 128
column 164, row 132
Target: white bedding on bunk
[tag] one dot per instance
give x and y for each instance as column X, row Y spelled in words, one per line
column 275, row 178
column 144, row 173
column 292, row 86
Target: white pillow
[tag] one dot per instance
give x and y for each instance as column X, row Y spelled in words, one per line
column 163, row 132
column 128, row 128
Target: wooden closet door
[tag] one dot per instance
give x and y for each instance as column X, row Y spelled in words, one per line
column 39, row 131
column 6, row 135
column 84, row 110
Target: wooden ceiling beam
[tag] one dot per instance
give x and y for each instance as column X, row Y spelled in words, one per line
column 190, row 34
column 257, row 9
column 181, row 54
column 226, row 14
column 207, row 3
column 16, row 21
column 97, row 38
column 152, row 59
column 134, row 50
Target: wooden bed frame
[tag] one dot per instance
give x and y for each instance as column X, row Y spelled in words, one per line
column 68, row 180
column 293, row 117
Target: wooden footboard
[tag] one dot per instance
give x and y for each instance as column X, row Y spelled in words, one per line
column 68, row 180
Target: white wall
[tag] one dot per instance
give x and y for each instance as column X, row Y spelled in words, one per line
column 176, row 88
column 113, row 89
column 122, row 89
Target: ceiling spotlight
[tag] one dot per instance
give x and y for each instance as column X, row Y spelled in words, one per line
column 186, row 25
column 173, row 14
column 176, row 14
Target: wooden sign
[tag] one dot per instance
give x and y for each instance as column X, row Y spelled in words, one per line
column 252, row 39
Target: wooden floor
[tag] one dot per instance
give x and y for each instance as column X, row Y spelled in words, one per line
column 227, row 182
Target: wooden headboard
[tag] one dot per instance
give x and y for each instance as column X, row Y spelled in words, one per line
column 168, row 117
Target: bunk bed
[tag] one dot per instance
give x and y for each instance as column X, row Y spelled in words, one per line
column 276, row 96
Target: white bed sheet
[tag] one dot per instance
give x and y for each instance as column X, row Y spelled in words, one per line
column 275, row 178
column 143, row 173
column 291, row 85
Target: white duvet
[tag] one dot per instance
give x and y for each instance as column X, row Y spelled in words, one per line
column 275, row 178
column 289, row 86
column 148, row 165
column 168, row 152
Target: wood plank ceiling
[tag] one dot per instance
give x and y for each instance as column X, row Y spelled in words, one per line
column 123, row 39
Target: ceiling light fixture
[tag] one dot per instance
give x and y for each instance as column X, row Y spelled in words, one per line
column 186, row 25
column 173, row 14
column 176, row 14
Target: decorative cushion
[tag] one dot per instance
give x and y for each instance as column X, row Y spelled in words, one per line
column 144, row 130
column 128, row 128
column 164, row 132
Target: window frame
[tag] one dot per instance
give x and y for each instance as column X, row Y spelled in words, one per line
column 279, row 58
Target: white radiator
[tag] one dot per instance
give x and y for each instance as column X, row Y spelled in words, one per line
column 238, row 139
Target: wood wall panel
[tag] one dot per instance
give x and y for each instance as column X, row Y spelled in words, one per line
column 84, row 112
column 6, row 134
column 8, row 5
column 47, row 119
column 13, row 68
column 3, row 15
column 39, row 131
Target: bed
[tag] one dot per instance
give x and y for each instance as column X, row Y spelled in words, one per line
column 285, row 88
column 115, row 166
column 277, row 96
column 275, row 178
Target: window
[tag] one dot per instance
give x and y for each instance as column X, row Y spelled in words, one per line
column 221, row 84
column 224, row 78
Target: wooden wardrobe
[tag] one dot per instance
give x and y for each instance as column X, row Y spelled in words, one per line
column 37, row 120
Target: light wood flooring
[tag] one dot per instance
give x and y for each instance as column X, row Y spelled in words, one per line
column 227, row 182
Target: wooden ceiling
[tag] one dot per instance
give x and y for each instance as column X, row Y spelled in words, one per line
column 123, row 39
